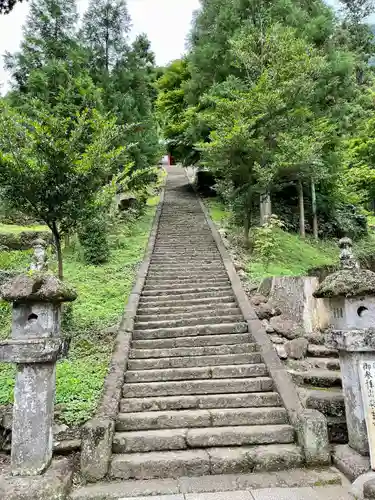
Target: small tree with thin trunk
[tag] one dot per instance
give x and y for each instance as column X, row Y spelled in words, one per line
column 52, row 168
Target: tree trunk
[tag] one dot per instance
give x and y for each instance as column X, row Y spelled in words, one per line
column 57, row 238
column 301, row 210
column 265, row 207
column 247, row 229
column 314, row 210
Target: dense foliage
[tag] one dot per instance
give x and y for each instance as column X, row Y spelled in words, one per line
column 275, row 98
column 80, row 111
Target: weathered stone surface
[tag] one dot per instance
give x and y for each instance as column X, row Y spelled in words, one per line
column 281, row 351
column 37, row 288
column 32, row 418
column 347, row 283
column 53, row 485
column 286, row 327
column 232, row 436
column 258, row 299
column 149, row 440
column 277, row 339
column 294, row 296
column 312, row 431
column 350, row 462
column 160, row 465
column 123, row 489
column 297, row 348
column 256, row 458
column 96, row 452
column 265, row 287
column 265, row 311
column 164, row 403
column 196, row 387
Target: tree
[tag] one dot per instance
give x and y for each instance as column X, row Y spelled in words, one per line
column 130, row 95
column 52, row 167
column 105, row 27
column 49, row 33
column 6, row 6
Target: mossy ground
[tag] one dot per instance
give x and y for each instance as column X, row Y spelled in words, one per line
column 13, row 228
column 102, row 293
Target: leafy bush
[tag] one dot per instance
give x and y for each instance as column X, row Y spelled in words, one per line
column 93, row 237
column 266, row 241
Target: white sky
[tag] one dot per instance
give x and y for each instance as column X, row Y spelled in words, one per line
column 166, row 22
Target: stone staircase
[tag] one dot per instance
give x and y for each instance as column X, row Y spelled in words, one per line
column 197, row 397
column 319, row 379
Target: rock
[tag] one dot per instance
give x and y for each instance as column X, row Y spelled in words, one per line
column 276, row 339
column 315, row 338
column 37, row 288
column 269, row 329
column 258, row 299
column 265, row 287
column 297, row 348
column 280, row 349
column 264, row 311
column 286, row 327
column 239, row 266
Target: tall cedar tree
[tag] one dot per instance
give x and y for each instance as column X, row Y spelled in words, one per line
column 49, row 33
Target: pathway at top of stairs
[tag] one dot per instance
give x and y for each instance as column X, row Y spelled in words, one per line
column 197, row 398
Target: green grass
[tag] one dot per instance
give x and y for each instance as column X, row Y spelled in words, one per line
column 294, row 256
column 12, row 228
column 102, row 294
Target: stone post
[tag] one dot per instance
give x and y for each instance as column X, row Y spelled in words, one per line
column 34, row 347
column 350, row 297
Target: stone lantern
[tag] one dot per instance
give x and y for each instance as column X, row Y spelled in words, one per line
column 350, row 297
column 34, row 347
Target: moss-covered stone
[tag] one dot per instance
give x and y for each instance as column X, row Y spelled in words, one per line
column 37, row 288
column 347, row 283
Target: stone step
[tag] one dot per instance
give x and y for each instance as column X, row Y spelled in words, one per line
column 209, row 401
column 198, row 313
column 185, row 281
column 171, row 275
column 207, row 340
column 317, row 378
column 332, row 364
column 205, row 253
column 190, row 331
column 175, row 464
column 199, row 320
column 177, row 419
column 187, row 259
column 194, row 387
column 186, row 311
column 190, row 362
column 151, row 292
column 206, row 437
column 180, row 352
column 186, row 267
column 236, row 485
column 147, row 302
column 329, row 402
column 321, row 351
column 197, row 373
column 186, row 298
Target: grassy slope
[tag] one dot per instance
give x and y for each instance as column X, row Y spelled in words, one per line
column 12, row 228
column 294, row 255
column 102, row 292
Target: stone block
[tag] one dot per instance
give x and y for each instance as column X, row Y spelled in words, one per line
column 54, row 484
column 313, row 436
column 350, row 462
column 97, row 436
column 297, row 348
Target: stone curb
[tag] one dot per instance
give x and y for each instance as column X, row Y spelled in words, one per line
column 97, row 433
column 310, row 425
